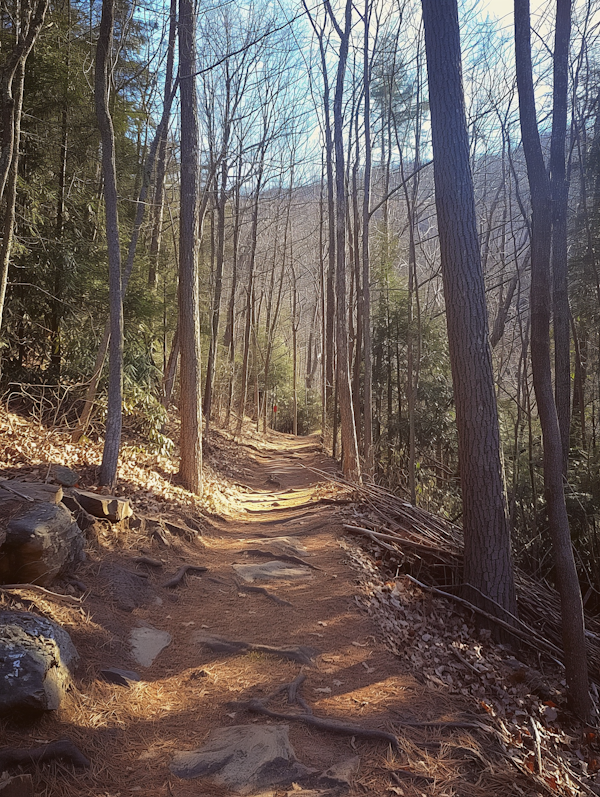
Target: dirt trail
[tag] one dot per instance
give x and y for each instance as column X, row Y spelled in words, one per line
column 132, row 733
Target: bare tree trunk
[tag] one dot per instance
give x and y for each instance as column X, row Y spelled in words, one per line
column 330, row 294
column 559, row 189
column 161, row 160
column 350, row 460
column 488, row 563
column 11, row 185
column 29, row 26
column 368, row 453
column 170, row 371
column 250, row 289
column 133, row 241
column 12, row 79
column 112, row 442
column 573, row 627
column 56, row 316
column 295, row 324
column 190, row 403
column 221, row 194
column 229, row 339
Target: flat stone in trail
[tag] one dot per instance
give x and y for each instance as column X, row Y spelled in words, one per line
column 244, row 758
column 147, row 643
column 287, row 545
column 272, row 571
column 342, row 773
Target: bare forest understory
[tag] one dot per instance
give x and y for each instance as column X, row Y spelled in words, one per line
column 391, row 685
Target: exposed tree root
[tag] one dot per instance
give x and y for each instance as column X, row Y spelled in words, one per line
column 147, row 560
column 63, row 749
column 181, row 573
column 308, row 718
column 263, row 591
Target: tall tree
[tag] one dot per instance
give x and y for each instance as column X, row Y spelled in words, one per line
column 190, row 404
column 573, row 626
column 365, row 254
column 350, row 460
column 28, row 22
column 488, row 564
column 110, row 454
column 559, row 189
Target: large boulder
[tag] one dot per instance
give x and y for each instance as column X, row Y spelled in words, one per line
column 42, row 542
column 36, row 660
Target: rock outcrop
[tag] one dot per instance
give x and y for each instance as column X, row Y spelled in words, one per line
column 37, row 657
column 41, row 542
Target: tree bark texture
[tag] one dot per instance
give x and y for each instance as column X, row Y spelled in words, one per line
column 369, row 454
column 573, row 628
column 190, row 404
column 488, row 563
column 161, row 161
column 559, row 189
column 221, row 202
column 12, row 79
column 112, row 442
column 350, row 460
column 10, row 191
column 92, row 388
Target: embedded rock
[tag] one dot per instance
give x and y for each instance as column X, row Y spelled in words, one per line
column 243, row 758
column 342, row 773
column 31, row 491
column 272, row 571
column 42, row 542
column 63, row 475
column 36, row 660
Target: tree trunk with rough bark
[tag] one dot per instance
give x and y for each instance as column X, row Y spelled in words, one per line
column 559, row 189
column 350, row 460
column 114, row 416
column 488, row 562
column 12, row 79
column 161, row 160
column 190, row 404
column 573, row 626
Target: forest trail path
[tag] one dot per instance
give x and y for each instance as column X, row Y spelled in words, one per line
column 133, row 733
